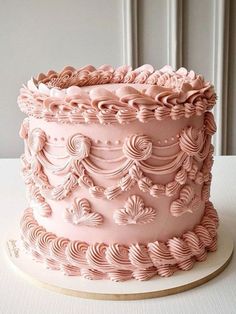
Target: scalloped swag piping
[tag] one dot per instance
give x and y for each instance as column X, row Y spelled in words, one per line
column 116, row 261
column 59, row 96
column 194, row 146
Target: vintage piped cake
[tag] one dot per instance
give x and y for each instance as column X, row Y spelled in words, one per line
column 117, row 168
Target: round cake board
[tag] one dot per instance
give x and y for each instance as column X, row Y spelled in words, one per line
column 158, row 286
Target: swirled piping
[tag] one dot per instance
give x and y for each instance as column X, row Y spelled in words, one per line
column 44, row 241
column 187, row 264
column 139, row 257
column 160, row 254
column 166, row 270
column 76, row 253
column 96, row 257
column 57, row 249
column 116, row 261
column 209, row 123
column 118, row 255
column 37, row 139
column 193, row 242
column 120, row 275
column 34, row 233
column 179, row 249
column 191, row 141
column 78, row 146
column 137, row 147
column 58, row 96
column 144, row 274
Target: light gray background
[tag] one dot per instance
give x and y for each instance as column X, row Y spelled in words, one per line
column 39, row 35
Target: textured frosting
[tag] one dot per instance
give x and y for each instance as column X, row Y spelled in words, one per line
column 119, row 262
column 164, row 93
column 112, row 201
column 136, row 150
column 134, row 212
column 105, row 176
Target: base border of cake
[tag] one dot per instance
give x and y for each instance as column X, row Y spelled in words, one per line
column 132, row 289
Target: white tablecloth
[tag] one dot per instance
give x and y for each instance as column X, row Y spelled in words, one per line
column 17, row 296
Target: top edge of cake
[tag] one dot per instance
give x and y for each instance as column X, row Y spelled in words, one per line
column 109, row 95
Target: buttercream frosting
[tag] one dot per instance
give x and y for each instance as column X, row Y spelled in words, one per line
column 166, row 93
column 139, row 261
column 112, row 201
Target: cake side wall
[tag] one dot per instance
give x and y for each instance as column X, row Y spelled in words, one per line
column 129, row 183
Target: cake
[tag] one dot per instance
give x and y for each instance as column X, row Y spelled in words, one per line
column 117, row 168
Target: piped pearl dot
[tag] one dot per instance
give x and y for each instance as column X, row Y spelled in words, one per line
column 177, row 135
column 172, row 138
column 108, row 142
column 117, row 142
column 55, row 139
column 97, row 141
column 166, row 141
column 159, row 142
column 62, row 138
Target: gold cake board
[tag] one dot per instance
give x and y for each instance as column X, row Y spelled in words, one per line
column 158, row 286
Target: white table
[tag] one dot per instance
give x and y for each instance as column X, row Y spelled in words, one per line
column 17, row 296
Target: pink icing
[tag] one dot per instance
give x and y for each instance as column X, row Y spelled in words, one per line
column 118, row 202
column 119, row 262
column 166, row 93
column 137, row 147
column 134, row 212
column 187, row 202
column 37, row 140
column 191, row 141
column 85, row 178
column 78, row 146
column 81, row 214
column 24, row 129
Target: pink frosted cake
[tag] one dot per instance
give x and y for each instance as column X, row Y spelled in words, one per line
column 117, row 167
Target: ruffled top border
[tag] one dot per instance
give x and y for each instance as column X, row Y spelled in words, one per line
column 59, row 96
